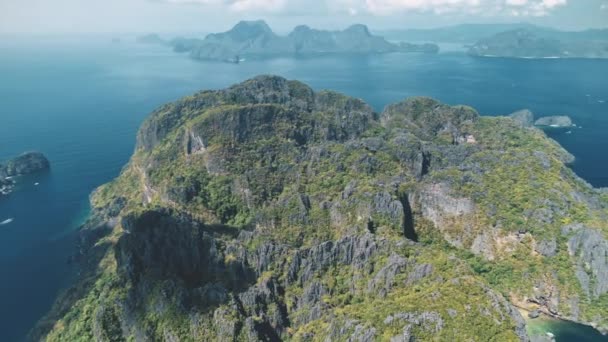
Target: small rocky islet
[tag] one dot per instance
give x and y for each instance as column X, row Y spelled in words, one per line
column 526, row 119
column 268, row 211
column 25, row 164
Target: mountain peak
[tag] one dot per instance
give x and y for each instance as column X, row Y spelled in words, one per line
column 245, row 30
column 359, row 28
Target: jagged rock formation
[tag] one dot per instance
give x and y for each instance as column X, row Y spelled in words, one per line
column 524, row 117
column 555, row 121
column 25, row 164
column 255, row 39
column 267, row 211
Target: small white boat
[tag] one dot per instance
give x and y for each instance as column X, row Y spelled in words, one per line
column 36, row 183
column 7, row 221
column 569, row 132
column 550, row 334
column 601, row 101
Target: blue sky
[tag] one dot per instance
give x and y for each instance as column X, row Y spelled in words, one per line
column 60, row 16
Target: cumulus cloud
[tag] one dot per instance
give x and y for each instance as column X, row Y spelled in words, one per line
column 388, row 7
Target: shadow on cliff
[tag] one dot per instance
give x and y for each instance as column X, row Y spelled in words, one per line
column 161, row 254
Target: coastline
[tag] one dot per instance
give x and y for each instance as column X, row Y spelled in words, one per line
column 538, row 58
column 541, row 325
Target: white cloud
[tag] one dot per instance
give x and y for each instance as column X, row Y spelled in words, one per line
column 388, row 7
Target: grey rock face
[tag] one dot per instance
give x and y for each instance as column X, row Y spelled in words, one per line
column 590, row 248
column 419, row 272
column 547, row 248
column 436, row 204
column 524, row 117
column 351, row 250
column 428, row 320
column 554, row 121
column 447, row 121
column 263, row 103
column 385, row 278
column 26, row 163
column 384, row 204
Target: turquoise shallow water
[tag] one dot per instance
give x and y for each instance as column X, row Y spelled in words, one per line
column 563, row 330
column 80, row 101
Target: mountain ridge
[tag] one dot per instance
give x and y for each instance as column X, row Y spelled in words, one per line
column 255, row 39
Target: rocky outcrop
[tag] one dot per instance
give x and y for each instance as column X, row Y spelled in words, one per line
column 429, row 119
column 554, row 121
column 590, row 248
column 524, row 117
column 27, row 163
column 436, row 203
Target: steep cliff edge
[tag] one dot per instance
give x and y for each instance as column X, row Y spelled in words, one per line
column 267, row 211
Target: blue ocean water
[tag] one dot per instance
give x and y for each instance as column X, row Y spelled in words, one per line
column 81, row 100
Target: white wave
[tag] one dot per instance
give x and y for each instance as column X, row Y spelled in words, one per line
column 7, row 221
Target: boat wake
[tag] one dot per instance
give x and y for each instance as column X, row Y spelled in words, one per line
column 7, row 221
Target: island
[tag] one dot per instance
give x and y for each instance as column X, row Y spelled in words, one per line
column 268, row 211
column 255, row 39
column 25, row 164
column 472, row 33
column 558, row 121
column 525, row 118
column 525, row 43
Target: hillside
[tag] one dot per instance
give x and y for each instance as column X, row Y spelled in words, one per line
column 268, row 211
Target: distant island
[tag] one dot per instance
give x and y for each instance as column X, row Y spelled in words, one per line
column 472, row 33
column 560, row 121
column 150, row 39
column 526, row 43
column 25, row 164
column 255, row 39
column 525, row 118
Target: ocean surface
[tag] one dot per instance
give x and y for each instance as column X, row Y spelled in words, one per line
column 81, row 100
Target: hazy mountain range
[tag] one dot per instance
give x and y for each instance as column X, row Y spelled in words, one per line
column 255, row 39
column 471, row 33
column 526, row 43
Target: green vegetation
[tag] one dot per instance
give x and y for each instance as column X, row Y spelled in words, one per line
column 267, row 211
